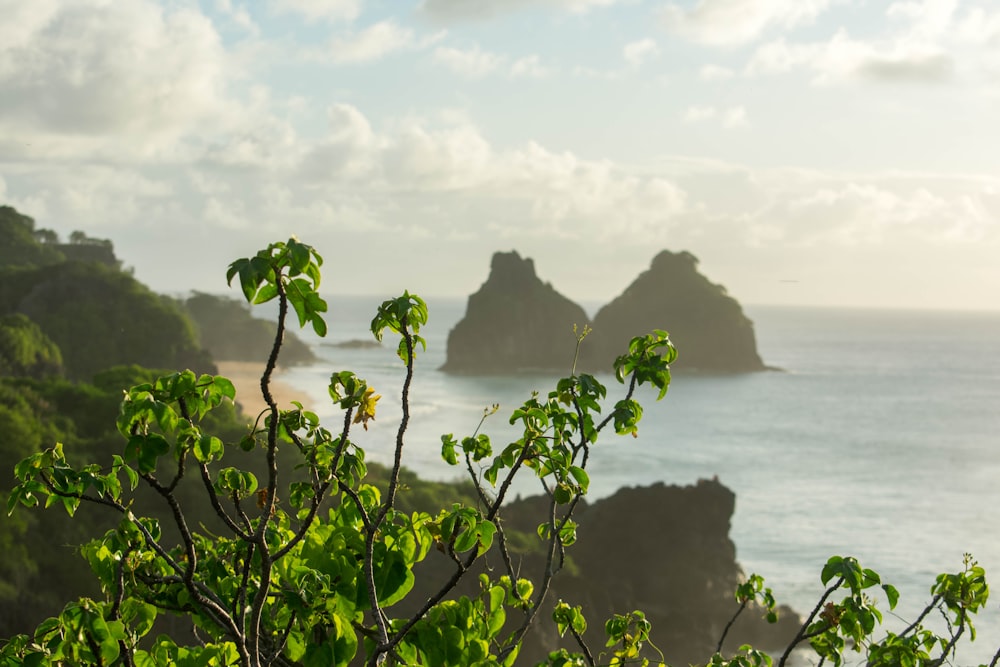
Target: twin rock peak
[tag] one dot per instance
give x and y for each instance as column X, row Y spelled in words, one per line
column 516, row 323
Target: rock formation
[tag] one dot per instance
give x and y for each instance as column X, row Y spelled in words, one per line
column 664, row 550
column 515, row 323
column 706, row 325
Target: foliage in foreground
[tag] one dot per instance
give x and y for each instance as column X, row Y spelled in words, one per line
column 309, row 565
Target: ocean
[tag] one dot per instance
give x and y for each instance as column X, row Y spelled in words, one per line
column 879, row 439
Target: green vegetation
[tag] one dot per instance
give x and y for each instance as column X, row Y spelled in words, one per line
column 230, row 333
column 313, row 569
column 76, row 297
column 26, row 350
column 100, row 317
column 23, row 245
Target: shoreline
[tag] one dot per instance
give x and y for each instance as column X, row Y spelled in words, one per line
column 245, row 376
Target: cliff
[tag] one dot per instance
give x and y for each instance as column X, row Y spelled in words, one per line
column 706, row 325
column 661, row 549
column 514, row 323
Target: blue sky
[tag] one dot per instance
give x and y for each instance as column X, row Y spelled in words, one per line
column 819, row 152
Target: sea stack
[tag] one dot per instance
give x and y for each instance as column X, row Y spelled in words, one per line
column 708, row 327
column 515, row 323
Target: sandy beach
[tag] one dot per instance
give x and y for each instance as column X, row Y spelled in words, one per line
column 245, row 376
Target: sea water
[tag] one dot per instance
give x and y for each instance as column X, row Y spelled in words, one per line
column 879, row 439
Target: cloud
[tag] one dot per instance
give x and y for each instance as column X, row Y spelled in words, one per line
column 374, row 42
column 715, row 73
column 735, row 117
column 730, row 118
column 459, row 10
column 889, row 209
column 83, row 69
column 738, row 22
column 317, row 10
column 844, row 58
column 641, row 51
column 530, row 67
column 928, row 41
column 239, row 15
column 473, row 63
column 696, row 114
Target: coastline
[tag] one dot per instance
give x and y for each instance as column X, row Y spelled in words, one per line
column 245, row 376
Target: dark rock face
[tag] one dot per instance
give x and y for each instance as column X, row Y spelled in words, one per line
column 664, row 550
column 706, row 325
column 515, row 323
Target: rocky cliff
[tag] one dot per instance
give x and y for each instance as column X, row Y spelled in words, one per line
column 706, row 325
column 515, row 323
column 661, row 549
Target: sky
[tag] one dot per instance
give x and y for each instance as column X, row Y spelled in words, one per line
column 808, row 152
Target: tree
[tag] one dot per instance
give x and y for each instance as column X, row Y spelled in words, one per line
column 26, row 350
column 230, row 333
column 20, row 245
column 100, row 317
column 309, row 570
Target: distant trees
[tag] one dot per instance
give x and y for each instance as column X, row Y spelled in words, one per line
column 25, row 350
column 19, row 247
column 230, row 333
column 76, row 310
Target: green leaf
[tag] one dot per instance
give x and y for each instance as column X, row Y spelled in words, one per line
column 891, row 594
column 581, row 477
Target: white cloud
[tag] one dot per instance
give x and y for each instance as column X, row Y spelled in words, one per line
column 715, row 73
column 641, row 51
column 730, row 118
column 736, row 22
column 926, row 19
column 347, row 152
column 696, row 114
column 374, row 42
column 842, row 58
column 239, row 15
column 85, row 69
column 451, row 10
column 892, row 209
column 530, row 67
column 735, row 117
column 925, row 41
column 979, row 27
column 316, row 10
column 474, row 63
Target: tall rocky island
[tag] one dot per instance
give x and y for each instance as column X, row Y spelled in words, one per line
column 706, row 325
column 515, row 323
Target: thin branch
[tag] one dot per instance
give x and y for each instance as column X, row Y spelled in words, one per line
column 583, row 646
column 801, row 635
column 930, row 607
column 954, row 639
column 725, row 631
column 260, row 597
column 555, row 545
column 403, row 423
column 213, row 498
column 390, row 499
